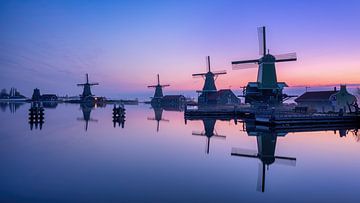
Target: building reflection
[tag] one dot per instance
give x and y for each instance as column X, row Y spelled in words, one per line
column 12, row 106
column 36, row 116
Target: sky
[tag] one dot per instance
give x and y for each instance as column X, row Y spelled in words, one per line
column 123, row 44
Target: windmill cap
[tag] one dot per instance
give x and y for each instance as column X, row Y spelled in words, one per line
column 268, row 58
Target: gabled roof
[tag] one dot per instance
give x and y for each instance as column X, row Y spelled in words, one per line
column 220, row 94
column 315, row 96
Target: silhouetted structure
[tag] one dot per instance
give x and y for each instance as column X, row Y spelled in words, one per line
column 45, row 97
column 266, row 89
column 119, row 115
column 87, row 96
column 14, row 94
column 325, row 101
column 209, row 95
column 158, row 95
column 36, row 116
column 168, row 100
column 209, row 131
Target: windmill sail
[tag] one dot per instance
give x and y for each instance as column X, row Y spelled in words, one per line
column 262, row 40
column 286, row 57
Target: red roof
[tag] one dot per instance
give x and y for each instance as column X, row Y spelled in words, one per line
column 315, row 96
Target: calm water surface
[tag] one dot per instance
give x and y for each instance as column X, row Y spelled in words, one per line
column 64, row 163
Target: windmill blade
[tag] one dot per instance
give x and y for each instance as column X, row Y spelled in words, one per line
column 197, row 133
column 220, row 136
column 288, row 161
column 260, row 186
column 167, row 85
column 166, row 120
column 286, row 57
column 151, row 86
column 208, row 69
column 94, row 83
column 244, row 153
column 262, row 40
column 220, row 72
column 245, row 61
column 80, row 84
column 199, row 74
column 244, row 66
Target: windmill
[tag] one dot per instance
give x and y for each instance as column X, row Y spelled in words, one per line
column 158, row 95
column 87, row 88
column 266, row 144
column 209, row 128
column 209, row 84
column 267, row 88
column 209, row 77
column 158, row 117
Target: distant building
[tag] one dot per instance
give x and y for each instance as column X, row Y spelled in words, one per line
column 45, row 97
column 221, row 97
column 49, row 97
column 4, row 94
column 36, row 95
column 173, row 100
column 327, row 101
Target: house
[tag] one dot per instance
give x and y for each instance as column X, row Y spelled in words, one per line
column 220, row 97
column 327, row 101
column 45, row 97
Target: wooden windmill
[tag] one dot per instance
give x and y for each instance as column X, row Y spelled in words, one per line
column 266, row 88
column 209, row 87
column 209, row 77
column 158, row 89
column 87, row 88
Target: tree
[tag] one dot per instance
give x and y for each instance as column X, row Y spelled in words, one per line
column 3, row 92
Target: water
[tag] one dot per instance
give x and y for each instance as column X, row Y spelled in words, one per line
column 64, row 163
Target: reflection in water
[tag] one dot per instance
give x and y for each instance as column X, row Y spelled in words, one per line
column 158, row 111
column 27, row 157
column 266, row 138
column 209, row 132
column 36, row 116
column 86, row 110
column 13, row 106
column 119, row 115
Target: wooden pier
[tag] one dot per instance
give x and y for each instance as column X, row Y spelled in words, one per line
column 272, row 116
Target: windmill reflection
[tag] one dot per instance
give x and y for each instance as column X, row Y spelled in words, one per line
column 158, row 111
column 266, row 144
column 266, row 137
column 36, row 116
column 209, row 132
column 86, row 109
